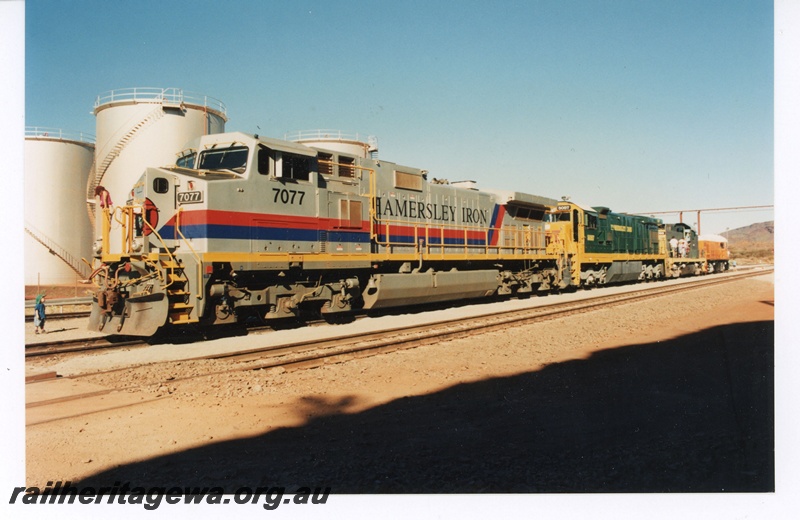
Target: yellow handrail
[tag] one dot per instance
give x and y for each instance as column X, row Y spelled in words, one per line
column 127, row 214
column 517, row 238
column 199, row 269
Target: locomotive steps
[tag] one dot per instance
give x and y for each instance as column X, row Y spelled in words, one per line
column 180, row 310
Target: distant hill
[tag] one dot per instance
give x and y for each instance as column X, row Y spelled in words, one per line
column 762, row 233
column 755, row 242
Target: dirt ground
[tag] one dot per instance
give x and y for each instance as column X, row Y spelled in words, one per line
column 672, row 395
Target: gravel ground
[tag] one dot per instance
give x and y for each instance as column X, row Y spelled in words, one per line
column 671, row 395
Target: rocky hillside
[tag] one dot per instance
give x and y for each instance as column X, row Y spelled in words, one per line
column 752, row 243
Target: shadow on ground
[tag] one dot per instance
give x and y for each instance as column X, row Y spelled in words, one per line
column 693, row 414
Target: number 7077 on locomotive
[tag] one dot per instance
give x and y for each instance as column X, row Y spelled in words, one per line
column 245, row 226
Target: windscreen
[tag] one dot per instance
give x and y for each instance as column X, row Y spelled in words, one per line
column 233, row 159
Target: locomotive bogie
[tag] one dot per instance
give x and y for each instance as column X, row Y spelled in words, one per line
column 540, row 278
column 717, row 266
column 685, row 267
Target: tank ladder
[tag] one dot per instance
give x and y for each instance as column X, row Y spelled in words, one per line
column 98, row 171
column 57, row 251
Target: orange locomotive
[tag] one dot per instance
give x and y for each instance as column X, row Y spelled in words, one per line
column 715, row 250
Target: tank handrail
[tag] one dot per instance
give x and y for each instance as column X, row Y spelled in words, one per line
column 327, row 135
column 57, row 133
column 159, row 95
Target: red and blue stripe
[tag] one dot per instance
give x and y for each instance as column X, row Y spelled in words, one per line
column 236, row 225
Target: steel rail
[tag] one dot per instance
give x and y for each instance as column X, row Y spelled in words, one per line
column 63, row 316
column 66, row 346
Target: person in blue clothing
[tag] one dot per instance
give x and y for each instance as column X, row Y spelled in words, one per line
column 39, row 314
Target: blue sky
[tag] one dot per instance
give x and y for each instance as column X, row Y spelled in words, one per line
column 632, row 104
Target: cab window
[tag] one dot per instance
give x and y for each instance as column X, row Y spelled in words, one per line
column 296, row 167
column 283, row 164
column 265, row 159
column 186, row 161
column 228, row 159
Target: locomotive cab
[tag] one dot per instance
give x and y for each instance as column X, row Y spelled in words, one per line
column 715, row 250
column 607, row 247
column 682, row 250
column 564, row 229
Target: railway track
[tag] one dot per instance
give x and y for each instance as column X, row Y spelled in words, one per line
column 315, row 353
column 61, row 347
column 311, row 354
column 62, row 316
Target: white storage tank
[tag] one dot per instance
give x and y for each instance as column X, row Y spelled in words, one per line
column 57, row 230
column 337, row 141
column 142, row 127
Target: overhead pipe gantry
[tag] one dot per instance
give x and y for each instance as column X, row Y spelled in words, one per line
column 682, row 211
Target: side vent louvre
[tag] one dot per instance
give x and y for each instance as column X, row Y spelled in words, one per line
column 323, row 241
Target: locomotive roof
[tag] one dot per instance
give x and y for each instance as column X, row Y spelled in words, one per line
column 712, row 238
column 584, row 207
column 228, row 138
column 520, row 198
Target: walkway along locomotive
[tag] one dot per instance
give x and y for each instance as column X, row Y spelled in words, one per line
column 245, row 226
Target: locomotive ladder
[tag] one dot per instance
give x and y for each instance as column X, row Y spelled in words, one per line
column 180, row 310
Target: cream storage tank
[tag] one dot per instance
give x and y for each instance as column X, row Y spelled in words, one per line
column 142, row 127
column 337, row 141
column 57, row 231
